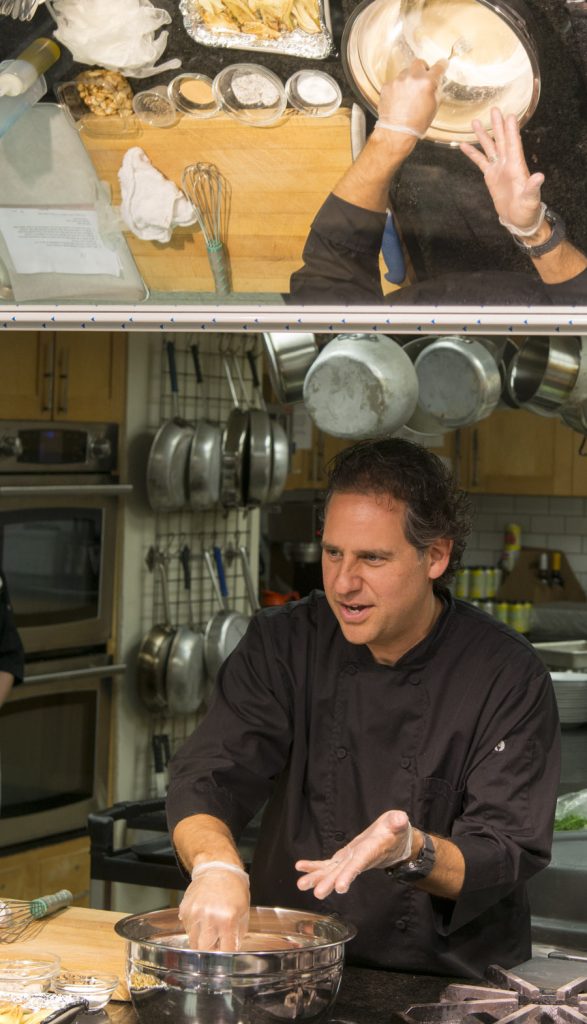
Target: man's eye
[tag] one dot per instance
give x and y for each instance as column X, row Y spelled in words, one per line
column 372, row 558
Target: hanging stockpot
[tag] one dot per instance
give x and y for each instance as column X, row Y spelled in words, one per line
column 489, row 45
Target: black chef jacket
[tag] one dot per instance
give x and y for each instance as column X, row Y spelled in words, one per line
column 11, row 652
column 341, row 266
column 461, row 733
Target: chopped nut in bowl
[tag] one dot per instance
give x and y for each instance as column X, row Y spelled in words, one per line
column 100, row 102
column 95, row 988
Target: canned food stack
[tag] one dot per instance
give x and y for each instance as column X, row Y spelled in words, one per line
column 479, row 584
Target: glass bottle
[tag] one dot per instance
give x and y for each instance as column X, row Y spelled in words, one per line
column 17, row 75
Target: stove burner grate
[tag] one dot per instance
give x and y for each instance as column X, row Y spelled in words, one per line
column 510, row 998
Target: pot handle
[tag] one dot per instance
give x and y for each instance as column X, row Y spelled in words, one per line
column 185, row 556
column 220, row 570
column 208, row 563
column 170, row 352
column 251, row 590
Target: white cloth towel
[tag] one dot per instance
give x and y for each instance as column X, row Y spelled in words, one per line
column 151, row 206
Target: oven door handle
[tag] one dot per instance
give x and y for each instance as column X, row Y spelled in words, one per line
column 96, row 671
column 66, row 489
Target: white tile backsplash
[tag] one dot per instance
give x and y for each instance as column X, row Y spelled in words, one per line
column 559, row 524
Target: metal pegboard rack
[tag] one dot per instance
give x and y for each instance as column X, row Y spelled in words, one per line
column 226, row 529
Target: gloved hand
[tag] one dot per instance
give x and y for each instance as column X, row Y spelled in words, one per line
column 514, row 191
column 215, row 907
column 410, row 100
column 387, row 841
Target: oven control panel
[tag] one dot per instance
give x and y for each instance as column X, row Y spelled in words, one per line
column 48, row 447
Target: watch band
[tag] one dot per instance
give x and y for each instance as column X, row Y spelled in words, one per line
column 558, row 235
column 413, row 870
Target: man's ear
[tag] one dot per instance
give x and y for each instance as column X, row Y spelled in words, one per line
column 438, row 557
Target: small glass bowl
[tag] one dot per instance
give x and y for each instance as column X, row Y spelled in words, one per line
column 95, row 988
column 250, row 93
column 33, row 973
column 313, row 92
column 154, row 108
column 192, row 94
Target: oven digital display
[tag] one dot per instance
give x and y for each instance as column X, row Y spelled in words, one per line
column 53, row 447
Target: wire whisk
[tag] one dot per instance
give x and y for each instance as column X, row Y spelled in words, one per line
column 17, row 915
column 210, row 192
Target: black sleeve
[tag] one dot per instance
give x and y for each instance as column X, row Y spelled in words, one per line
column 574, row 291
column 11, row 651
column 341, row 257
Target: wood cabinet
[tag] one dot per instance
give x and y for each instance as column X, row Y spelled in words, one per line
column 71, row 375
column 517, row 452
column 46, row 869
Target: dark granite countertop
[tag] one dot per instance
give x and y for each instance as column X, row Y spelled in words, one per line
column 365, row 997
column 460, row 233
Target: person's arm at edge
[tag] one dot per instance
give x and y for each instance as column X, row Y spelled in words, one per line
column 516, row 194
column 201, row 838
column 6, row 681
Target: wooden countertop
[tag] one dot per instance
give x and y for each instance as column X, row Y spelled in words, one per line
column 280, row 175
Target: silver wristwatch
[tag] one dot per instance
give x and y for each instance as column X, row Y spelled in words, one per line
column 413, row 870
column 558, row 235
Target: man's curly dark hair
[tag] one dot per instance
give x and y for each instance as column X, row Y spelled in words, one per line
column 435, row 506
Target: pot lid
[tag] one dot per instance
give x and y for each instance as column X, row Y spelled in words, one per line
column 493, row 62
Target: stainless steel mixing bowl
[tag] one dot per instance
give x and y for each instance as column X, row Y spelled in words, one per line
column 499, row 65
column 289, row 969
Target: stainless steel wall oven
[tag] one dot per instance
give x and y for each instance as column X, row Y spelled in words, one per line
column 59, row 512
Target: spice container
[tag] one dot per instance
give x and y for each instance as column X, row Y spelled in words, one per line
column 154, row 108
column 250, row 93
column 313, row 92
column 192, row 94
column 95, row 988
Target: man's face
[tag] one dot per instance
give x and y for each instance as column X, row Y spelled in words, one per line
column 377, row 584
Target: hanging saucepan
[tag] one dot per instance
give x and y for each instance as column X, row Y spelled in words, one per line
column 574, row 411
column 289, row 357
column 168, row 457
column 279, row 460
column 154, row 649
column 279, row 445
column 185, row 671
column 226, row 627
column 361, row 385
column 258, row 470
column 493, row 57
column 459, row 382
column 234, row 475
column 205, row 455
column 544, row 372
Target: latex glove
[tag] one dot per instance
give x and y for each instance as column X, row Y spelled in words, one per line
column 215, row 909
column 514, row 191
column 387, row 841
column 412, row 98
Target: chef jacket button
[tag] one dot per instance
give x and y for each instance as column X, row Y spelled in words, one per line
column 405, row 762
column 401, row 925
column 415, row 680
column 339, row 836
column 341, row 752
column 351, row 669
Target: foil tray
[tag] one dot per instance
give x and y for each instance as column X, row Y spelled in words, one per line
column 59, row 1008
column 563, row 653
column 296, row 44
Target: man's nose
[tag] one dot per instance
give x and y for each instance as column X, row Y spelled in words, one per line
column 347, row 576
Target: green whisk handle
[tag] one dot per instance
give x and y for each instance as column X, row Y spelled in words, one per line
column 218, row 259
column 45, row 905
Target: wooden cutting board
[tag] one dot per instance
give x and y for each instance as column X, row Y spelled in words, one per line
column 84, row 939
column 280, row 176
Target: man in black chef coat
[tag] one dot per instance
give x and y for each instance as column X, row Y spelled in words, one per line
column 405, row 744
column 11, row 652
column 341, row 254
